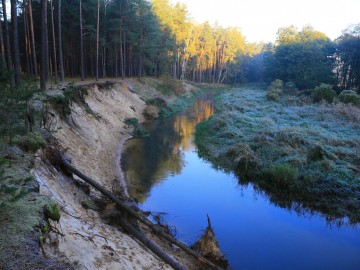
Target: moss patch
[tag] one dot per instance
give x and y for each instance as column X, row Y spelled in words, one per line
column 21, row 212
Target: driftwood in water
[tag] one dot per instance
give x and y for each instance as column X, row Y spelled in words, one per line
column 139, row 217
column 208, row 247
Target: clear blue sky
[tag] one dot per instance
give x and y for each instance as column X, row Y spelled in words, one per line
column 260, row 19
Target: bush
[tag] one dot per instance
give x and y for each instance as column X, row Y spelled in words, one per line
column 275, row 90
column 281, row 175
column 32, row 141
column 141, row 132
column 157, row 102
column 245, row 159
column 151, row 112
column 323, row 92
column 61, row 102
column 170, row 86
column 52, row 211
column 349, row 96
column 131, row 122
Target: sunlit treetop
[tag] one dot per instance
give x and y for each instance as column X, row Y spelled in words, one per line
column 290, row 34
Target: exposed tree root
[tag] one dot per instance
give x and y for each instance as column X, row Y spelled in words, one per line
column 209, row 247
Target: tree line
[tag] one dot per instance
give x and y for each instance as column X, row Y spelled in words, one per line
column 309, row 58
column 54, row 39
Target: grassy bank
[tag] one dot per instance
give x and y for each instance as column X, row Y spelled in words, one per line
column 24, row 222
column 171, row 96
column 302, row 155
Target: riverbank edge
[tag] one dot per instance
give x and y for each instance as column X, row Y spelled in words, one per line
column 71, row 207
column 241, row 156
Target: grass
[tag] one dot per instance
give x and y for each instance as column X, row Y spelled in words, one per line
column 300, row 154
column 31, row 141
column 22, row 219
column 62, row 101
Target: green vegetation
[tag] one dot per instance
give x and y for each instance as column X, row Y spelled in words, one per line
column 52, row 211
column 302, row 155
column 170, row 86
column 61, row 101
column 31, row 141
column 349, row 96
column 324, row 92
column 301, row 57
column 21, row 209
column 131, row 122
column 275, row 90
column 140, row 132
column 280, row 176
column 21, row 206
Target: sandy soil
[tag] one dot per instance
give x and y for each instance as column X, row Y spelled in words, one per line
column 94, row 146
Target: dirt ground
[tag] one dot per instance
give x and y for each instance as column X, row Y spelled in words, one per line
column 93, row 142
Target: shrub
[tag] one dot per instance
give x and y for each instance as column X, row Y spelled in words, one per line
column 61, row 102
column 275, row 90
column 151, row 112
column 141, row 132
column 158, row 102
column 281, row 175
column 52, row 211
column 245, row 159
column 323, row 92
column 131, row 122
column 349, row 96
column 32, row 141
column 170, row 86
column 316, row 153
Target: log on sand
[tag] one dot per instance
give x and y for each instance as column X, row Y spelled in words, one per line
column 137, row 233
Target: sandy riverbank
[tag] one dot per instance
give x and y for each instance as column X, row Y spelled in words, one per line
column 93, row 142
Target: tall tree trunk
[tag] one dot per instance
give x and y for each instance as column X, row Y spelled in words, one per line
column 47, row 43
column 2, row 49
column 27, row 41
column 174, row 70
column 104, row 48
column 7, row 38
column 183, row 69
column 43, row 73
column 116, row 63
column 32, row 39
column 61, row 61
column 141, row 52
column 82, row 69
column 15, row 36
column 97, row 41
column 123, row 65
column 54, row 41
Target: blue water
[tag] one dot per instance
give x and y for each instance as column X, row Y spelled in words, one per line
column 252, row 232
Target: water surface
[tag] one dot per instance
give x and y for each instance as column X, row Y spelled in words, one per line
column 165, row 174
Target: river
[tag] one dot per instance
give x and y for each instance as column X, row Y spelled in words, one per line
column 165, row 175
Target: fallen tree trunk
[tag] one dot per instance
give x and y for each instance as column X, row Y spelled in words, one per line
column 150, row 245
column 139, row 217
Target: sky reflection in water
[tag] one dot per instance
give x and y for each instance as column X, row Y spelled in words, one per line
column 165, row 174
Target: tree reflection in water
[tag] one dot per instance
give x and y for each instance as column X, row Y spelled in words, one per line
column 150, row 160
